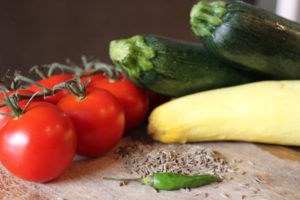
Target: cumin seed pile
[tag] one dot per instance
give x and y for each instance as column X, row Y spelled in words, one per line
column 144, row 159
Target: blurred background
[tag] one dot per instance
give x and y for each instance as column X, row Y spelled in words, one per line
column 39, row 32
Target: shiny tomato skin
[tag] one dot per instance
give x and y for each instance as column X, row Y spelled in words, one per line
column 5, row 109
column 98, row 118
column 49, row 83
column 134, row 100
column 40, row 145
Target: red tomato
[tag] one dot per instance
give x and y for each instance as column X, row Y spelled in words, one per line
column 40, row 145
column 50, row 83
column 98, row 118
column 133, row 99
column 5, row 109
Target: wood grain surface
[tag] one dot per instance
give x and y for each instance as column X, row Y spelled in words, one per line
column 263, row 172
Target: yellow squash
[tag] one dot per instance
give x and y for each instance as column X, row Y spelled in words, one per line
column 267, row 112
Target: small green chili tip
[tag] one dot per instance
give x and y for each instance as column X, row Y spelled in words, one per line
column 173, row 181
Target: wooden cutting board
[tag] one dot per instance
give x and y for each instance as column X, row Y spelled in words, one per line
column 264, row 172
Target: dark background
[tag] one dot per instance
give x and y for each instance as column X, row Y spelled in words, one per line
column 36, row 32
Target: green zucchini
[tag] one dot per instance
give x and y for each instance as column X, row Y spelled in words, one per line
column 253, row 38
column 172, row 67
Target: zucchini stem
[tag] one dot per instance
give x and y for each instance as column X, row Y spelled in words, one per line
column 132, row 54
column 205, row 16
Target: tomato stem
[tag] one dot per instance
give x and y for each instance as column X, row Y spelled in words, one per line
column 72, row 68
column 4, row 86
column 19, row 77
column 73, row 85
column 49, row 92
column 111, row 72
column 99, row 67
column 13, row 105
column 86, row 63
column 60, row 86
column 12, row 102
column 77, row 88
column 39, row 70
column 15, row 85
column 28, row 102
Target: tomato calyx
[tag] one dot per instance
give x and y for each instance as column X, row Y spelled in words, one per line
column 77, row 88
column 12, row 102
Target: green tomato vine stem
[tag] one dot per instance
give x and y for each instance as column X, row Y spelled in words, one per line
column 77, row 88
column 13, row 105
column 39, row 70
column 19, row 77
column 73, row 85
column 73, row 68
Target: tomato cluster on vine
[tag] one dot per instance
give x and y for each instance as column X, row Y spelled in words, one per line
column 85, row 112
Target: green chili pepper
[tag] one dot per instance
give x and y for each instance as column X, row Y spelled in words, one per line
column 173, row 181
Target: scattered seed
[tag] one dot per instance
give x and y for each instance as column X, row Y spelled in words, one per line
column 258, row 180
column 250, row 162
column 231, row 170
column 123, row 183
column 144, row 160
column 254, row 190
column 205, row 195
column 225, row 195
column 244, row 185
